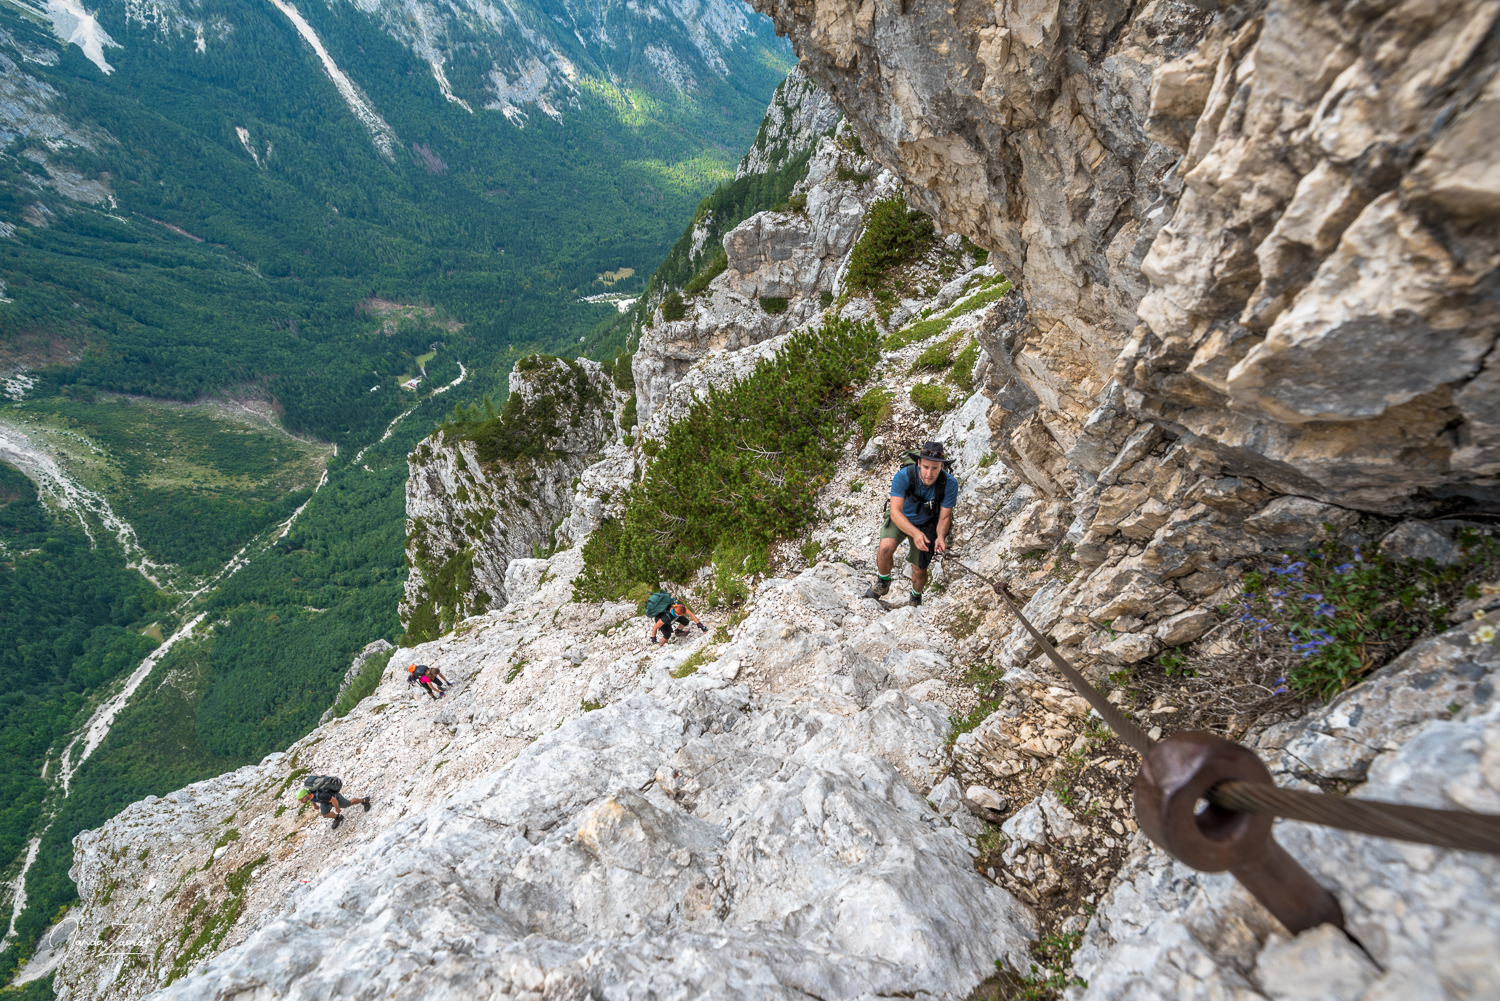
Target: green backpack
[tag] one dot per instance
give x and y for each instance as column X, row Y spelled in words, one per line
column 659, row 602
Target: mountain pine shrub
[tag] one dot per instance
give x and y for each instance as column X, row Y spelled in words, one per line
column 672, row 307
column 741, row 471
column 715, row 267
column 893, row 235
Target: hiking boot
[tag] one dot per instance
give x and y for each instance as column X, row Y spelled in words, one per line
column 339, row 819
column 916, row 598
column 366, row 803
column 878, row 589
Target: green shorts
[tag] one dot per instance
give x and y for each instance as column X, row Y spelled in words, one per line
column 914, row 556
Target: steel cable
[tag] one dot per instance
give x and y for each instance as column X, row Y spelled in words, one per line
column 1479, row 832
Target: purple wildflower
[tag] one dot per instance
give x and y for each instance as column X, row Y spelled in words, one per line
column 1326, row 610
column 1345, row 568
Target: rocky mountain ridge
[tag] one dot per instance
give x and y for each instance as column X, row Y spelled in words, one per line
column 475, row 503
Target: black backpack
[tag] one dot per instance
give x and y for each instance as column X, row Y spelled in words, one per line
column 927, row 510
column 317, row 783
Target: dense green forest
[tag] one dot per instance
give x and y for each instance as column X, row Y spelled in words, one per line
column 66, row 612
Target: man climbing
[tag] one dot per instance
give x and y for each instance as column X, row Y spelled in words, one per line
column 324, row 791
column 668, row 613
column 920, row 509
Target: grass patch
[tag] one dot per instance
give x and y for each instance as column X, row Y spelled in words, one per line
column 699, row 284
column 1047, row 981
column 962, row 372
column 990, row 290
column 217, row 923
column 691, row 665
column 774, row 304
column 874, row 410
column 986, row 681
column 740, row 471
column 932, row 398
column 937, row 357
column 515, row 671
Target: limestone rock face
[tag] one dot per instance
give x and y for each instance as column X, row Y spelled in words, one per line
column 799, row 113
column 474, row 504
column 1267, row 228
column 575, row 821
column 1424, row 730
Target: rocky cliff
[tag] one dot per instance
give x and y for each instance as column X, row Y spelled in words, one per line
column 493, row 488
column 827, row 795
column 1264, row 229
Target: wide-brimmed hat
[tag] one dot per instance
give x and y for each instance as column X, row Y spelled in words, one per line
column 933, row 452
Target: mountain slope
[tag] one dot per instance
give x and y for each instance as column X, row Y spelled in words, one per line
column 280, row 204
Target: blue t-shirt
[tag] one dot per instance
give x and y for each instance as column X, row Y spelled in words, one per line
column 921, row 495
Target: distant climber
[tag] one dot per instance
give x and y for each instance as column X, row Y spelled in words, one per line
column 436, row 676
column 417, row 675
column 324, row 791
column 669, row 612
column 920, row 509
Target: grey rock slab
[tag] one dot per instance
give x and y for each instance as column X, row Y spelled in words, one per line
column 1418, row 540
column 1424, row 730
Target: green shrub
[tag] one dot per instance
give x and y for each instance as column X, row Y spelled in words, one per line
column 715, row 267
column 893, row 235
column 932, row 398
column 795, row 203
column 825, row 299
column 849, row 174
column 672, row 307
column 650, row 446
column 874, row 409
column 364, row 684
column 622, row 374
column 628, row 417
column 741, row 470
column 629, row 440
column 774, row 304
column 962, row 373
column 937, row 357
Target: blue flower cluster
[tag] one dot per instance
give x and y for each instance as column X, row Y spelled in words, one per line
column 1319, row 639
